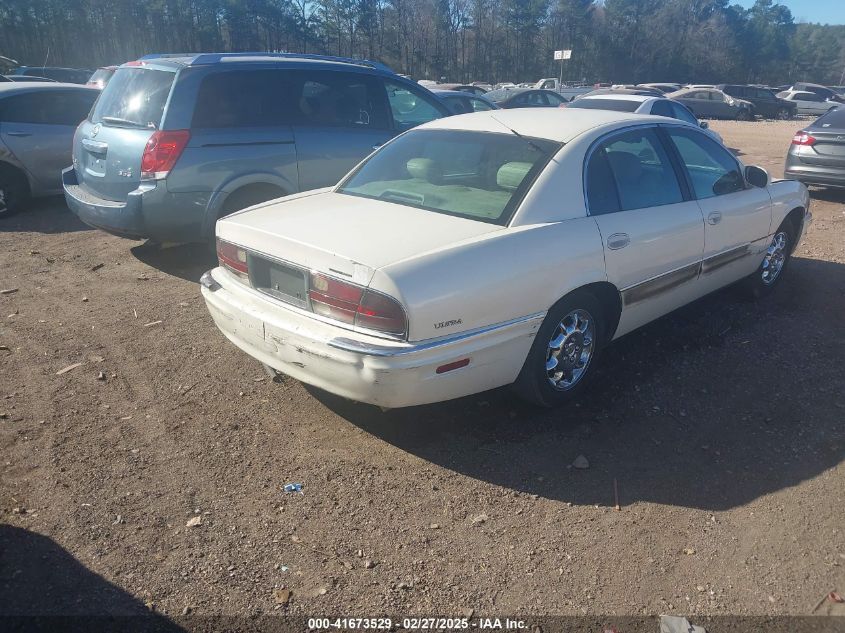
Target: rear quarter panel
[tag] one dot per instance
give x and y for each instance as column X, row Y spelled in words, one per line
column 496, row 278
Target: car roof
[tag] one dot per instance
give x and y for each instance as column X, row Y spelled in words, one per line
column 181, row 60
column 33, row 86
column 554, row 124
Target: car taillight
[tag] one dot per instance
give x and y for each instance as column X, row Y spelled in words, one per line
column 803, row 138
column 355, row 305
column 233, row 258
column 161, row 152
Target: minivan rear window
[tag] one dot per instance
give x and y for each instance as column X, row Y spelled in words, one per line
column 135, row 97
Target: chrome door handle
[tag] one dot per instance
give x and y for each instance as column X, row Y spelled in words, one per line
column 20, row 134
column 714, row 218
column 617, row 241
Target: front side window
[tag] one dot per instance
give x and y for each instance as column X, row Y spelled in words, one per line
column 480, row 105
column 640, row 169
column 712, row 169
column 478, row 175
column 339, row 99
column 51, row 107
column 409, row 107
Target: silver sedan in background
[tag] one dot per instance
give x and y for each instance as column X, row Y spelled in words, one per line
column 37, row 123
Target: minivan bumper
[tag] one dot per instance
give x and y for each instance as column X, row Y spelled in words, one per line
column 149, row 212
column 389, row 374
column 121, row 219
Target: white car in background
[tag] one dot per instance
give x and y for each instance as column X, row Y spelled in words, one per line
column 809, row 102
column 496, row 248
column 641, row 104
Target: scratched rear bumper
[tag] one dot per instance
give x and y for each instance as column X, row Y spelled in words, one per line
column 364, row 368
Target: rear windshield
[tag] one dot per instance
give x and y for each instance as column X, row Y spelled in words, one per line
column 620, row 105
column 835, row 119
column 477, row 175
column 134, row 97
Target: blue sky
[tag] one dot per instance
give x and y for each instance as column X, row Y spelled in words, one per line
column 824, row 11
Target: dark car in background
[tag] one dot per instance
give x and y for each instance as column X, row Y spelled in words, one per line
column 709, row 103
column 66, row 75
column 526, row 98
column 176, row 142
column 101, row 77
column 37, row 123
column 476, row 90
column 823, row 91
column 817, row 153
column 766, row 103
column 464, row 102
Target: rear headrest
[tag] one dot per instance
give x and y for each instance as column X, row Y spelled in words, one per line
column 626, row 167
column 511, row 175
column 425, row 169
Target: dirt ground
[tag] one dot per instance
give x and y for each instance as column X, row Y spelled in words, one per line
column 723, row 425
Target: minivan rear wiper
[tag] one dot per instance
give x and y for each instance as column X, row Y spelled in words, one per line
column 126, row 122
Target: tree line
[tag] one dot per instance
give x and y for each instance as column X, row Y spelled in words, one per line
column 622, row 41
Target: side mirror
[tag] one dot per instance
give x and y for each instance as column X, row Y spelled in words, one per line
column 757, row 176
column 704, row 125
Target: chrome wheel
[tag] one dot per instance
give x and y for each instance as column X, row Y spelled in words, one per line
column 775, row 258
column 570, row 350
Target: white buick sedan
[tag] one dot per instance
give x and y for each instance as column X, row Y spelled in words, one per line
column 497, row 248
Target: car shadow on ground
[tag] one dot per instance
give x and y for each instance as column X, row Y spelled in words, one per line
column 186, row 261
column 827, row 194
column 44, row 215
column 711, row 407
column 44, row 588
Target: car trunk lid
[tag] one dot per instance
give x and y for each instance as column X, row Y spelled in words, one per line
column 108, row 146
column 345, row 235
column 827, row 150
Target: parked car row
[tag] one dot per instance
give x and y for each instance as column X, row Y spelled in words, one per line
column 532, row 235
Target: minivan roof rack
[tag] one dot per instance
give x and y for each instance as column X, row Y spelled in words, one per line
column 197, row 59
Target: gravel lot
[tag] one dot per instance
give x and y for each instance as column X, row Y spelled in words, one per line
column 722, row 425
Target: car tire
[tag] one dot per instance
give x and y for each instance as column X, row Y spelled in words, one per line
column 784, row 114
column 14, row 192
column 563, row 356
column 778, row 255
column 744, row 115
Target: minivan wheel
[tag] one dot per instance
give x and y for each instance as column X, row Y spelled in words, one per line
column 563, row 356
column 774, row 263
column 13, row 193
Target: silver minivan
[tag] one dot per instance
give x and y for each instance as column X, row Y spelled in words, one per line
column 37, row 123
column 176, row 142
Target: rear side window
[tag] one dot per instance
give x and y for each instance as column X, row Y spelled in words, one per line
column 134, row 97
column 258, row 98
column 712, row 169
column 641, row 170
column 681, row 113
column 48, row 107
column 480, row 105
column 338, row 99
column 661, row 108
column 601, row 187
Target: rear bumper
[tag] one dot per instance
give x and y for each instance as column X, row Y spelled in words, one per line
column 121, row 219
column 814, row 175
column 150, row 211
column 367, row 369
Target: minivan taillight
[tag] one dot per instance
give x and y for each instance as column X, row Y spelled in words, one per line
column 355, row 305
column 161, row 152
column 803, row 138
column 233, row 258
